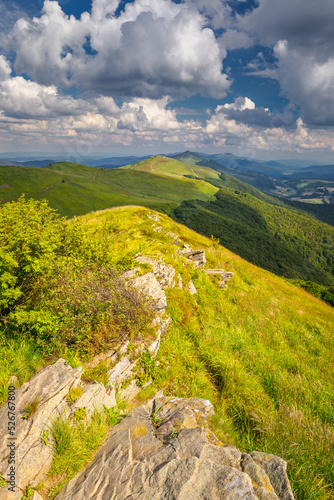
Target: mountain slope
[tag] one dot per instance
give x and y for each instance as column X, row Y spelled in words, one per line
column 261, row 350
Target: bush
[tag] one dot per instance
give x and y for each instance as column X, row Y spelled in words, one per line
column 57, row 287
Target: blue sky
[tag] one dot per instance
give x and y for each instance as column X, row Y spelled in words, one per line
column 110, row 77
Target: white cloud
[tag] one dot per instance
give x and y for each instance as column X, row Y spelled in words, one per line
column 260, row 130
column 307, row 82
column 152, row 49
column 301, row 33
column 146, row 114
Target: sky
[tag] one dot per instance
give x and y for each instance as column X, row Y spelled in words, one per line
column 107, row 77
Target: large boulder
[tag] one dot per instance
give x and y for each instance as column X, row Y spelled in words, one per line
column 162, row 450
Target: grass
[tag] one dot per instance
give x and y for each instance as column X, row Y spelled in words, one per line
column 75, row 443
column 31, row 407
column 18, row 358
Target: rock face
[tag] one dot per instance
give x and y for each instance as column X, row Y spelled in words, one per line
column 47, row 393
column 161, row 451
column 48, row 389
column 163, row 272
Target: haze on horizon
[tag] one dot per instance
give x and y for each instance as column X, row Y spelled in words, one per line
column 110, row 77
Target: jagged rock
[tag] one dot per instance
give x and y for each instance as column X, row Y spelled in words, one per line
column 191, row 288
column 185, row 249
column 227, row 276
column 94, row 397
column 122, row 371
column 151, row 287
column 197, row 257
column 275, row 467
column 163, row 272
column 33, row 458
column 36, row 496
column 260, row 480
column 140, row 461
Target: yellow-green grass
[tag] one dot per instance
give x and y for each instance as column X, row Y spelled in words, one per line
column 261, row 351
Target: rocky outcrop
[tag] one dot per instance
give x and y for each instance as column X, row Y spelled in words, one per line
column 196, row 256
column 162, row 450
column 192, row 288
column 38, row 401
column 150, row 286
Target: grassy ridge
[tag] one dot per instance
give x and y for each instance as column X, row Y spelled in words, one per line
column 77, row 189
column 255, row 225
column 261, row 350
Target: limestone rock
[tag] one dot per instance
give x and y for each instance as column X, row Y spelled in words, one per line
column 275, row 467
column 49, row 389
column 140, row 461
column 94, row 397
column 121, row 372
column 130, row 274
column 151, row 287
column 197, row 257
column 260, row 480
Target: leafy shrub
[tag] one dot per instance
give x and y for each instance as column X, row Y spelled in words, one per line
column 57, row 286
column 31, row 233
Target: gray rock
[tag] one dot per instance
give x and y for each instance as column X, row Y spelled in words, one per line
column 262, row 485
column 94, row 397
column 150, row 286
column 197, row 257
column 121, row 372
column 130, row 274
column 141, row 462
column 33, row 458
column 275, row 467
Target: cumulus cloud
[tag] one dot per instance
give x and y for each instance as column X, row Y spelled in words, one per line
column 301, row 34
column 5, row 69
column 307, row 82
column 246, row 127
column 307, row 25
column 151, row 49
column 146, row 114
column 243, row 111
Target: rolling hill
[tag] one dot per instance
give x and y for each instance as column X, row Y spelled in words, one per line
column 259, row 227
column 77, row 189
